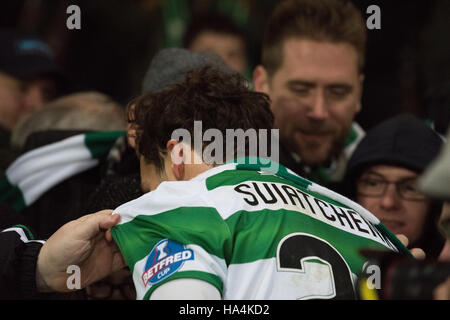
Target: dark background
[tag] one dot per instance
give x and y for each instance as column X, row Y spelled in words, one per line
column 407, row 68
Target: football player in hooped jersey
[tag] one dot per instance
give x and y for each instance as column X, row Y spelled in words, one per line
column 242, row 229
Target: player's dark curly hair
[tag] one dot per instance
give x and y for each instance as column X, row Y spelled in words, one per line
column 220, row 100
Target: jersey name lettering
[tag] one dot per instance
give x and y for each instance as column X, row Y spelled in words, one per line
column 291, row 198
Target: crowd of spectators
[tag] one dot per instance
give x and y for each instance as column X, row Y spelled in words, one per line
column 66, row 154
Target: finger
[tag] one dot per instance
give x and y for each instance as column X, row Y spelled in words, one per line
column 418, row 253
column 90, row 225
column 108, row 220
column 442, row 292
column 108, row 236
column 403, row 239
column 118, row 262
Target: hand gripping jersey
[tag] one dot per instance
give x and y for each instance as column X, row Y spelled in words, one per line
column 250, row 232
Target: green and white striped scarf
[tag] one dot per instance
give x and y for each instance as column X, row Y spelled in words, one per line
column 37, row 171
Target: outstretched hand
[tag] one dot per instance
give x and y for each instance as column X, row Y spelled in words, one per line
column 86, row 243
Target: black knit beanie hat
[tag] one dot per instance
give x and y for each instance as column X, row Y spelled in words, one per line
column 403, row 141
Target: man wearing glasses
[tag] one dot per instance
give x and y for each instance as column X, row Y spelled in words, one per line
column 382, row 176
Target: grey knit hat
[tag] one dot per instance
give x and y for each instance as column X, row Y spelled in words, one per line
column 169, row 66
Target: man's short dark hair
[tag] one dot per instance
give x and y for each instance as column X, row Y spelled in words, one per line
column 337, row 21
column 212, row 22
column 220, row 100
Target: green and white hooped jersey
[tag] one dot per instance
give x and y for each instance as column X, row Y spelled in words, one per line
column 252, row 233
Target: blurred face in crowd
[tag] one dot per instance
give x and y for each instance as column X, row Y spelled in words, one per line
column 390, row 193
column 38, row 92
column 117, row 286
column 131, row 127
column 228, row 46
column 444, row 226
column 11, row 100
column 315, row 96
column 19, row 98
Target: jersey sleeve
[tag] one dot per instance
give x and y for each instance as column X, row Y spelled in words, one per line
column 172, row 233
column 18, row 255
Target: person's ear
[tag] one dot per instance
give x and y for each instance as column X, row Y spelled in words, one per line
column 360, row 90
column 261, row 79
column 131, row 127
column 177, row 158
